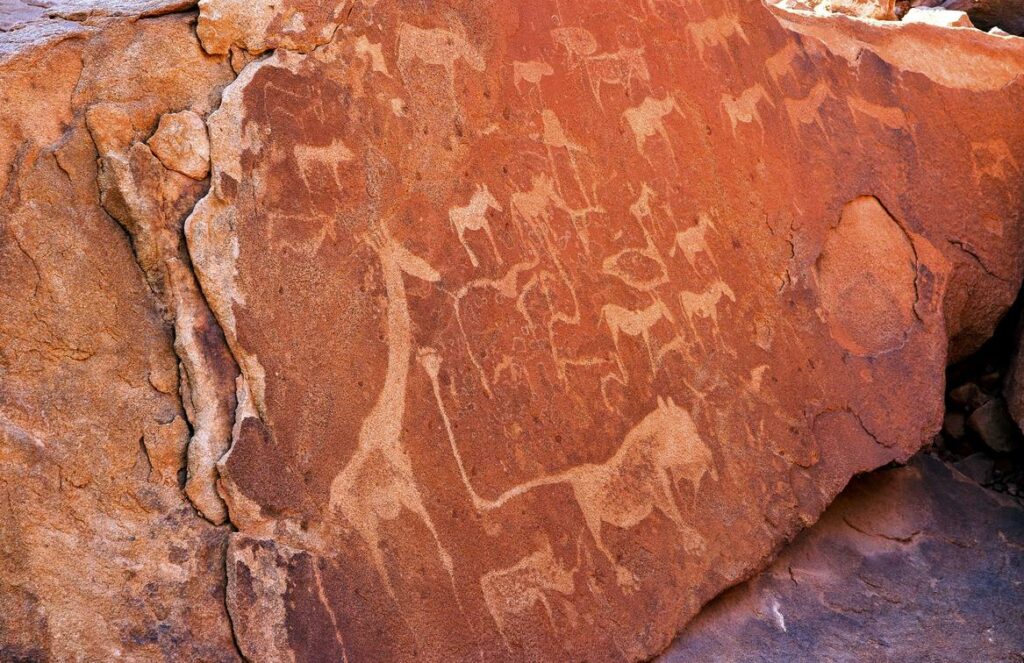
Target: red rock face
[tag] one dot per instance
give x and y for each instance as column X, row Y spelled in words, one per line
column 555, row 321
column 549, row 323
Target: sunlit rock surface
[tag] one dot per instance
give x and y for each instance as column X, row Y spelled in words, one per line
column 102, row 557
column 530, row 328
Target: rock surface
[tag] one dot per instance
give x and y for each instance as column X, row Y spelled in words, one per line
column 181, row 144
column 524, row 315
column 101, row 554
column 550, row 322
column 938, row 16
column 909, row 564
column 1014, row 381
column 1005, row 17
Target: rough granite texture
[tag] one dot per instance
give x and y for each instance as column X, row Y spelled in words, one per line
column 910, row 564
column 496, row 330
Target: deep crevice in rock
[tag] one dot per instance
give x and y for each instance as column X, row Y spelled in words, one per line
column 979, row 435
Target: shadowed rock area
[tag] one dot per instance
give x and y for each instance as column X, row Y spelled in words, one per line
column 469, row 330
column 912, row 563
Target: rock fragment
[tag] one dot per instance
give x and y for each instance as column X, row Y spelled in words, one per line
column 954, row 424
column 996, row 16
column 181, row 144
column 101, row 555
column 946, row 18
column 978, row 467
column 969, row 396
column 905, row 565
column 994, row 426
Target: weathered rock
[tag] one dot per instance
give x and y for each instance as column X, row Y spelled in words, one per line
column 181, row 144
column 545, row 339
column 551, row 321
column 261, row 25
column 882, row 10
column 978, row 467
column 968, row 395
column 101, row 555
column 938, row 16
column 909, row 564
column 994, row 426
column 997, row 17
column 954, row 424
column 1013, row 387
column 151, row 202
column 1008, row 15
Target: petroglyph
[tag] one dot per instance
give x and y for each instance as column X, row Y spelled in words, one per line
column 887, row 116
column 577, row 42
column 378, row 482
column 373, row 54
column 780, row 65
column 473, row 216
column 693, row 241
column 757, row 377
column 635, row 323
column 536, row 205
column 312, row 158
column 716, row 33
column 644, row 211
column 743, row 107
column 623, row 265
column 619, row 68
column 554, row 138
column 554, row 135
column 532, row 72
column 808, row 109
column 507, row 286
column 994, row 158
column 642, row 475
column 435, row 47
column 705, row 304
column 652, row 8
column 648, row 119
column 514, row 590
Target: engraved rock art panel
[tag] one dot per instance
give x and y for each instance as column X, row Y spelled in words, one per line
column 554, row 322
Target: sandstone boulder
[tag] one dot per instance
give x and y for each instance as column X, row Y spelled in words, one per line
column 938, row 16
column 496, row 331
column 101, row 554
column 915, row 563
column 545, row 337
column 1007, row 15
